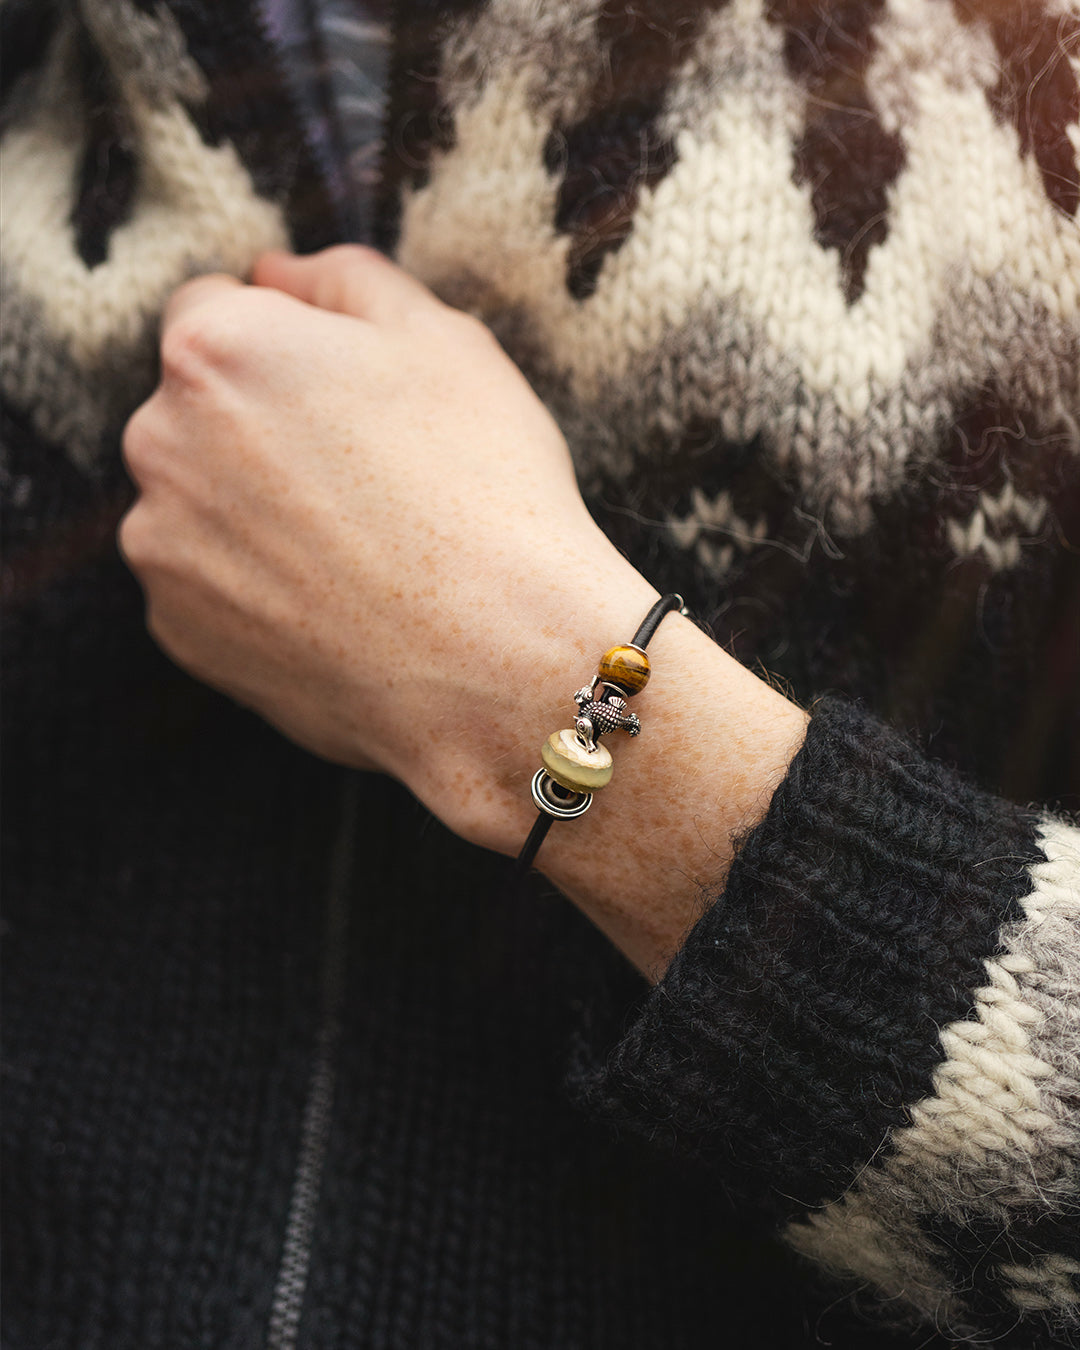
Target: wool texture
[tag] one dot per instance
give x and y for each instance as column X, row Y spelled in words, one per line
column 904, row 1136
column 800, row 281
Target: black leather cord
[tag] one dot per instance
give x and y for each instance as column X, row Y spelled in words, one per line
column 652, row 621
column 531, row 847
column 644, row 635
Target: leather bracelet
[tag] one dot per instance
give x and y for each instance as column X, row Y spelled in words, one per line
column 576, row 765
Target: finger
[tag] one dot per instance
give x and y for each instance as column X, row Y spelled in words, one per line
column 348, row 279
column 194, row 293
column 138, row 441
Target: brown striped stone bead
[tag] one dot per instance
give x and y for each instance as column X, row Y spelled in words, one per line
column 626, row 667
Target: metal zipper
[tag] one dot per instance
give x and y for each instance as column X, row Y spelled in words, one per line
column 292, row 1278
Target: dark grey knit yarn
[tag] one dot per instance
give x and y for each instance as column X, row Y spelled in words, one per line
column 282, row 1065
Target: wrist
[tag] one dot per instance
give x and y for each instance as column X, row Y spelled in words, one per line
column 544, row 634
column 715, row 743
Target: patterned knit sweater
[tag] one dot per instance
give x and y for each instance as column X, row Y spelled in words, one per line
column 800, row 280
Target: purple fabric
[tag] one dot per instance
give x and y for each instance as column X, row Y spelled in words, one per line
column 336, row 56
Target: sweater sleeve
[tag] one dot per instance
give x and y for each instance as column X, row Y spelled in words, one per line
column 874, row 1034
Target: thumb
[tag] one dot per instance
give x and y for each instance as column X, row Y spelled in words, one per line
column 348, row 279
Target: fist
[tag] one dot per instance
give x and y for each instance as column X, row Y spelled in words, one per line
column 354, row 515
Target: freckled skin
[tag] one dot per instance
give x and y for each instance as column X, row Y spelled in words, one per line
column 331, row 530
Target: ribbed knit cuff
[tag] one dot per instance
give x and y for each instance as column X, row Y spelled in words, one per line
column 873, row 1036
column 801, row 1019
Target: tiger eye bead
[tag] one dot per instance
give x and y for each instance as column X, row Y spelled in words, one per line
column 626, row 667
column 574, row 767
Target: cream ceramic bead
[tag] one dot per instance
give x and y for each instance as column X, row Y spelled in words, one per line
column 574, row 767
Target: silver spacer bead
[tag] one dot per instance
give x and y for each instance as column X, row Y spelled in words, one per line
column 554, row 800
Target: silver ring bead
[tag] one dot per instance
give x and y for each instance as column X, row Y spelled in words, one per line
column 557, row 801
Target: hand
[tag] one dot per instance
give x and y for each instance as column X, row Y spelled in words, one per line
column 357, row 518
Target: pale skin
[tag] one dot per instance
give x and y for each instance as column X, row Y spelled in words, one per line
column 355, row 517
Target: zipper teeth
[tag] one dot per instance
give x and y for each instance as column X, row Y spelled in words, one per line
column 290, row 1287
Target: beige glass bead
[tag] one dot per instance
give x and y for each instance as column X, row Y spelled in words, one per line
column 627, row 668
column 574, row 767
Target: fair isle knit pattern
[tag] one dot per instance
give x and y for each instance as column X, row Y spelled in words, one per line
column 996, row 1148
column 828, row 226
column 119, row 127
column 801, row 281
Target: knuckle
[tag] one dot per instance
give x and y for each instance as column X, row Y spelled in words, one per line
column 136, row 443
column 219, row 335
column 145, row 442
column 205, row 338
column 134, row 538
column 190, row 346
column 473, row 329
column 145, row 435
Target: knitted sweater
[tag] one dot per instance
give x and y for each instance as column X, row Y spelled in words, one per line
column 801, row 283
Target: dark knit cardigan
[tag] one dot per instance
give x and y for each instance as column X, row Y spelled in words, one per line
column 283, row 1066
